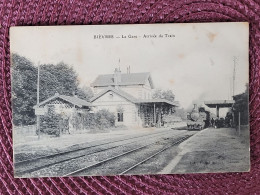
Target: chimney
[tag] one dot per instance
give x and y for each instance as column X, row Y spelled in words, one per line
column 128, row 69
column 117, row 77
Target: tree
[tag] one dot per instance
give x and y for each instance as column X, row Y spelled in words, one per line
column 59, row 78
column 84, row 93
column 160, row 94
column 51, row 122
column 24, row 90
column 241, row 106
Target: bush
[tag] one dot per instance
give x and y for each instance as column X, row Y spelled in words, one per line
column 51, row 123
column 104, row 119
column 83, row 120
column 100, row 120
column 55, row 124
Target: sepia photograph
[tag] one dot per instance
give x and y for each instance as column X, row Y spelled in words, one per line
column 98, row 100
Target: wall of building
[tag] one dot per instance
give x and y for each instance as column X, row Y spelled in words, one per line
column 137, row 91
column 115, row 103
column 59, row 108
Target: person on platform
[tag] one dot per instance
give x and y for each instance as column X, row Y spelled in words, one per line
column 212, row 122
column 216, row 123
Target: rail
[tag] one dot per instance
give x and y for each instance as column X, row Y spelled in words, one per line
column 125, row 153
column 29, row 161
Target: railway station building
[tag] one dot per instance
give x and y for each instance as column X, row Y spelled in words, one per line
column 129, row 97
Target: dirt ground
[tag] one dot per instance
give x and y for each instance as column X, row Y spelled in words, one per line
column 213, row 150
column 33, row 145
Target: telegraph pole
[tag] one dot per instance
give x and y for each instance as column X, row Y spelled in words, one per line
column 38, row 100
column 234, row 78
column 239, row 123
column 234, row 74
column 119, row 64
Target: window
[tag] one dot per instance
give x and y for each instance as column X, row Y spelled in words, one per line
column 120, row 117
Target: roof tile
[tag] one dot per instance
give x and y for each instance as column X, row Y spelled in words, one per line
column 126, row 79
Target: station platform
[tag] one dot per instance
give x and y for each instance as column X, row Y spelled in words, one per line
column 213, row 150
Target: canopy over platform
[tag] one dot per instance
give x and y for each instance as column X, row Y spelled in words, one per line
column 157, row 101
column 219, row 103
column 152, row 110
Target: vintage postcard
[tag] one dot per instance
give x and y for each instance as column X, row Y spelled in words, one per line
column 130, row 99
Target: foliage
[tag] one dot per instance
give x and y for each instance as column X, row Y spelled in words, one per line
column 84, row 120
column 160, row 94
column 59, row 78
column 104, row 119
column 24, row 90
column 84, row 93
column 51, row 123
column 241, row 105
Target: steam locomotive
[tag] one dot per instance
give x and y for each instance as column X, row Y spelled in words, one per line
column 198, row 118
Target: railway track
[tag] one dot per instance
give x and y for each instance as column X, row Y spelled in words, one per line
column 155, row 154
column 28, row 166
column 21, row 162
column 128, row 169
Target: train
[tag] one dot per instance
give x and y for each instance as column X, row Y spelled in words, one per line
column 224, row 122
column 198, row 118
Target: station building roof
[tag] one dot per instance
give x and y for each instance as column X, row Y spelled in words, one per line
column 132, row 99
column 126, row 79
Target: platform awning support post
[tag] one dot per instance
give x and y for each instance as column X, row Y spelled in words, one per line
column 38, row 101
column 154, row 114
column 217, row 111
column 239, row 118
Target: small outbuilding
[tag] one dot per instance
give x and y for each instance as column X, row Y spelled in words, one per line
column 70, row 108
column 62, row 104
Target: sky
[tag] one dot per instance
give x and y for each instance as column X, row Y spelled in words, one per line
column 195, row 61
